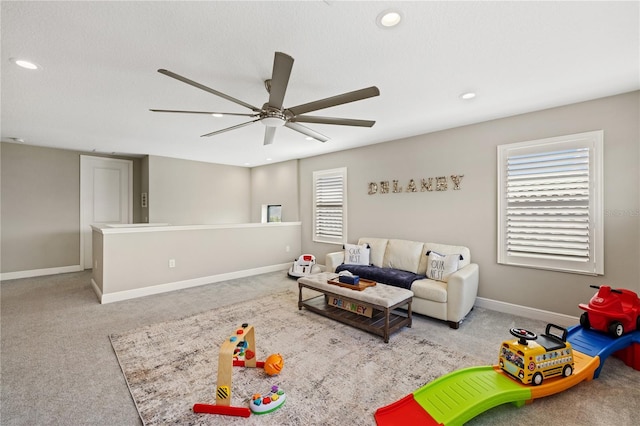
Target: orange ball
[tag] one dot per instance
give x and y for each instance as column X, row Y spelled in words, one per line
column 273, row 364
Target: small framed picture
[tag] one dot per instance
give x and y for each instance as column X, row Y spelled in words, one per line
column 274, row 213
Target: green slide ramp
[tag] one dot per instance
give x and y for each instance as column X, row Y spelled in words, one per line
column 460, row 396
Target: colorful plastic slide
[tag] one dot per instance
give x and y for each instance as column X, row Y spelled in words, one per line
column 455, row 398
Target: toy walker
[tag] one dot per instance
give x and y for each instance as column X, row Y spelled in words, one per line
column 303, row 266
column 240, row 351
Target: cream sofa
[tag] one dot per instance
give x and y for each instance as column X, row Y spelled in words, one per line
column 450, row 301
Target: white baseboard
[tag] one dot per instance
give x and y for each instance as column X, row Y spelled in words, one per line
column 527, row 312
column 40, row 272
column 178, row 285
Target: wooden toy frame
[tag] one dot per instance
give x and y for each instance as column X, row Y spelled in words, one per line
column 243, row 335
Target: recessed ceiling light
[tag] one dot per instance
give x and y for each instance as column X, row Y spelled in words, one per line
column 309, row 138
column 268, row 159
column 247, row 164
column 217, row 114
column 389, row 18
column 468, row 95
column 24, row 64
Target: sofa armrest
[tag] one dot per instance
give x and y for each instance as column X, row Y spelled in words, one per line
column 462, row 290
column 333, row 260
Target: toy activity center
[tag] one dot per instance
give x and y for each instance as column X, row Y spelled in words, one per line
column 239, row 350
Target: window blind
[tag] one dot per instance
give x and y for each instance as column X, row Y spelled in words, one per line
column 550, row 203
column 329, row 206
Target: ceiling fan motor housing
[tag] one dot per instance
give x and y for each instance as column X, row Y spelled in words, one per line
column 272, row 117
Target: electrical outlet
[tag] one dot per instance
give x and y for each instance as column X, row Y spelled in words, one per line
column 287, row 249
column 172, row 263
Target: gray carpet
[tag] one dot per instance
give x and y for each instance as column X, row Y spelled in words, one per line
column 58, row 366
column 332, row 371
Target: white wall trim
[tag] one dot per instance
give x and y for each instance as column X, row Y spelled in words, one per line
column 527, row 312
column 40, row 272
column 130, row 228
column 96, row 289
column 178, row 285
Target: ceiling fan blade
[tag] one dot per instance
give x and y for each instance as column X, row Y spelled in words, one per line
column 237, row 126
column 204, row 112
column 344, row 98
column 333, row 120
column 307, row 131
column 282, row 64
column 207, row 89
column 269, row 134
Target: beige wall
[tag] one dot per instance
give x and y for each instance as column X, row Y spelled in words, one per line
column 41, row 194
column 134, row 261
column 468, row 216
column 40, row 197
column 183, row 192
column 275, row 184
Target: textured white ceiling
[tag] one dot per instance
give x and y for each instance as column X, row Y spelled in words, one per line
column 99, row 69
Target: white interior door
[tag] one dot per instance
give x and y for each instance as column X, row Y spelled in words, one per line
column 106, row 196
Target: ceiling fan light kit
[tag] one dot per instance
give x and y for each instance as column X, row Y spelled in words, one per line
column 272, row 114
column 272, row 117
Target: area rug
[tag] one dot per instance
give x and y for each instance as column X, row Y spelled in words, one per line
column 333, row 373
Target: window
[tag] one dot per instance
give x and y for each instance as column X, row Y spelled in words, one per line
column 550, row 212
column 330, row 206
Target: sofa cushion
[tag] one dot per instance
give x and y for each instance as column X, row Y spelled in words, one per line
column 441, row 266
column 377, row 247
column 403, row 254
column 356, row 255
column 430, row 290
column 390, row 276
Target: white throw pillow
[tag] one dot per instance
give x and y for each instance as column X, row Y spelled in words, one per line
column 356, row 255
column 440, row 266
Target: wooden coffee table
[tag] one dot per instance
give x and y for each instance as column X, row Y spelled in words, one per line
column 374, row 309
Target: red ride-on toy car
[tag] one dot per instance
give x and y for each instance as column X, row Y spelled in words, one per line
column 614, row 311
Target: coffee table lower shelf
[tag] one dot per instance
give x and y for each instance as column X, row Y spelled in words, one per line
column 383, row 321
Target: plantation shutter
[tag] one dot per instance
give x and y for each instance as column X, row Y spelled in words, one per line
column 549, row 204
column 329, row 195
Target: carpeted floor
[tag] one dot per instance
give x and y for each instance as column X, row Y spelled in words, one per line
column 58, row 366
column 332, row 371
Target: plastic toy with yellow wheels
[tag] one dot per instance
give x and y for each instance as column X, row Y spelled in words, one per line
column 239, row 350
column 532, row 358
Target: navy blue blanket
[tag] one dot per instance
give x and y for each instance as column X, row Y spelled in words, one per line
column 394, row 277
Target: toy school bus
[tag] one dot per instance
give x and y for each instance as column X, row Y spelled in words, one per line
column 531, row 358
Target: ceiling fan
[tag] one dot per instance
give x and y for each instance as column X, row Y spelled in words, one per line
column 273, row 114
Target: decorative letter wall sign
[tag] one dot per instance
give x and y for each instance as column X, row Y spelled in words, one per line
column 426, row 185
column 456, row 179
